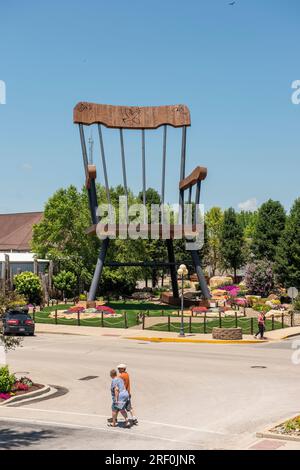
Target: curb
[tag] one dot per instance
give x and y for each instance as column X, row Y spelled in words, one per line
column 267, row 434
column 27, row 396
column 278, row 437
column 183, row 340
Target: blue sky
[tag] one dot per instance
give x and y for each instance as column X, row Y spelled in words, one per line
column 232, row 65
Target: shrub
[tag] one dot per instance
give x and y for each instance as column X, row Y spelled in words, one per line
column 65, row 281
column 19, row 386
column 261, row 308
column 83, row 297
column 296, row 304
column 7, row 380
column 259, row 278
column 11, row 299
column 29, row 285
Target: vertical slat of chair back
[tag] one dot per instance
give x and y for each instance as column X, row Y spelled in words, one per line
column 124, row 171
column 144, row 173
column 182, row 175
column 163, row 171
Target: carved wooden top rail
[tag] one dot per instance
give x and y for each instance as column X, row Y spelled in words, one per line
column 132, row 117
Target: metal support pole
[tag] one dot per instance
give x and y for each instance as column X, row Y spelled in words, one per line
column 98, row 270
column 171, row 257
column 201, row 277
column 182, row 306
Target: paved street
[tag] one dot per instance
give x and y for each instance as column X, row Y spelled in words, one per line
column 187, row 396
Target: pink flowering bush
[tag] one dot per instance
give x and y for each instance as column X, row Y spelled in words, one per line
column 4, row 396
column 199, row 309
column 232, row 290
column 105, row 309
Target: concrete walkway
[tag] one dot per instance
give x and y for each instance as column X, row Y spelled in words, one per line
column 275, row 335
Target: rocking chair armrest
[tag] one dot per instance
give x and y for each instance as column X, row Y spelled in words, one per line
column 198, row 174
column 91, row 174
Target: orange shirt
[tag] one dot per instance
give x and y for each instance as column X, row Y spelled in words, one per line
column 125, row 377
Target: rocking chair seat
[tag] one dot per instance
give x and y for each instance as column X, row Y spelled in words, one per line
column 161, row 231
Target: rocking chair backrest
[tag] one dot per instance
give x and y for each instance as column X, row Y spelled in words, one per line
column 143, row 118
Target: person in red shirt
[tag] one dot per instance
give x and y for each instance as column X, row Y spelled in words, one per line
column 261, row 325
column 123, row 374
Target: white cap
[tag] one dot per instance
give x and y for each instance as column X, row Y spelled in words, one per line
column 121, row 366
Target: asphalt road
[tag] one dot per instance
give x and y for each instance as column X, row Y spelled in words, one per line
column 187, row 396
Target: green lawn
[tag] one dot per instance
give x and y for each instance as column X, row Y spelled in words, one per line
column 132, row 309
column 228, row 322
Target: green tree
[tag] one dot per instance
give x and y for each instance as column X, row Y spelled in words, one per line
column 287, row 261
column 232, row 242
column 214, row 224
column 29, row 285
column 61, row 235
column 269, row 226
column 259, row 278
column 247, row 220
column 65, row 281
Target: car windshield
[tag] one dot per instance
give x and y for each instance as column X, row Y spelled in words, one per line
column 15, row 312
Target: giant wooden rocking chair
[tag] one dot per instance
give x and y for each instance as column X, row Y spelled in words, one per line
column 123, row 117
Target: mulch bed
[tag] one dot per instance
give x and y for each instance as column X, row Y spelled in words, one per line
column 33, row 388
column 288, row 428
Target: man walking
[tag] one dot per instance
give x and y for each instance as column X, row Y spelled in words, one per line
column 123, row 374
column 120, row 398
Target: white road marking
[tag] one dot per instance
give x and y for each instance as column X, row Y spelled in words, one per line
column 81, row 426
column 75, row 413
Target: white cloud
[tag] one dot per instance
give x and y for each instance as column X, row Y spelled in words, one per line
column 26, row 166
column 249, row 205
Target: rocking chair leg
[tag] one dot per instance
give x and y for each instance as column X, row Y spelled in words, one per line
column 171, row 257
column 201, row 277
column 98, row 270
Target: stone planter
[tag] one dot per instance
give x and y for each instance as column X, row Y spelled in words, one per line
column 227, row 333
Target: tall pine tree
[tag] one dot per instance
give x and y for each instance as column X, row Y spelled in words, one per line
column 232, row 242
column 287, row 262
column 269, row 226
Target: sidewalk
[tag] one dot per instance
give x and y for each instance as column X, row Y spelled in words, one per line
column 148, row 335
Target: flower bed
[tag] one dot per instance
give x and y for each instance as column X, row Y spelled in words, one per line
column 11, row 386
column 289, row 428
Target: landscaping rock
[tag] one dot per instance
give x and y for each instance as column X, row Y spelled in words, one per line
column 227, row 333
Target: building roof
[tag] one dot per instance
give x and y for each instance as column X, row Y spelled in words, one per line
column 23, row 257
column 16, row 230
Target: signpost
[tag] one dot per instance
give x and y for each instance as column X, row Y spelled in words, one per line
column 293, row 293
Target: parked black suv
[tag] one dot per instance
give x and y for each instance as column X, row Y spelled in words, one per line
column 17, row 321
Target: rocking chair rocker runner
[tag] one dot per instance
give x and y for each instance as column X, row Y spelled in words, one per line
column 123, row 117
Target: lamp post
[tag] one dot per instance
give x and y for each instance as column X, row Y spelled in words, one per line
column 182, row 271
